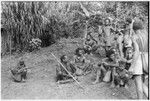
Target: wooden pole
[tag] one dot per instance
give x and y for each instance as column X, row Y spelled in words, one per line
column 86, row 25
column 10, row 52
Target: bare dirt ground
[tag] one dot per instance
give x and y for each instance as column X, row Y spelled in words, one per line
column 41, row 79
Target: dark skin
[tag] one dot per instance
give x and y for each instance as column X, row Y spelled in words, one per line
column 82, row 65
column 21, row 70
column 102, row 69
column 61, row 73
column 90, row 43
column 107, row 28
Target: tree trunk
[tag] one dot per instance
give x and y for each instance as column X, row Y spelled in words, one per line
column 84, row 10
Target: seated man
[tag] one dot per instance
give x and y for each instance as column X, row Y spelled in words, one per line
column 62, row 75
column 19, row 72
column 82, row 65
column 107, row 68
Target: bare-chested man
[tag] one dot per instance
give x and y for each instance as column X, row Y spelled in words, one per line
column 62, row 76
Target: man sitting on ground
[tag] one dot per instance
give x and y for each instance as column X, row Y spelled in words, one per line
column 82, row 65
column 106, row 69
column 62, row 76
column 19, row 73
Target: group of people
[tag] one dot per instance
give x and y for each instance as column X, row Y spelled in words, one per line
column 126, row 57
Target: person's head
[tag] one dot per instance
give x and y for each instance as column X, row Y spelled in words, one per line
column 129, row 52
column 88, row 36
column 21, row 62
column 107, row 21
column 64, row 58
column 79, row 51
column 114, row 50
column 111, row 55
column 128, row 21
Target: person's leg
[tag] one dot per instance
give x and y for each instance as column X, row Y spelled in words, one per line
column 126, row 80
column 17, row 77
column 24, row 75
column 59, row 77
column 66, row 79
column 98, row 73
column 113, row 77
column 145, row 85
column 139, row 84
column 145, row 90
column 87, row 69
column 117, row 80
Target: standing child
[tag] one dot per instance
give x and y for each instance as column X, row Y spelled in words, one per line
column 106, row 32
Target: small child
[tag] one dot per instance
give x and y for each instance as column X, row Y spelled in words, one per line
column 89, row 44
column 107, row 30
column 62, row 75
column 19, row 73
column 123, row 74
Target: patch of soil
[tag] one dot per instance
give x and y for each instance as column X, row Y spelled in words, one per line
column 41, row 79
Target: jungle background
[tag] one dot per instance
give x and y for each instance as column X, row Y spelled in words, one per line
column 61, row 26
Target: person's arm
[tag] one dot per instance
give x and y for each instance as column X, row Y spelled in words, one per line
column 74, row 59
column 123, row 59
column 85, row 42
column 135, row 55
column 113, row 29
column 58, row 69
column 131, row 28
column 120, row 40
column 129, row 61
column 112, row 64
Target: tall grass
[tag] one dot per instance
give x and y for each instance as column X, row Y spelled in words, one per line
column 51, row 21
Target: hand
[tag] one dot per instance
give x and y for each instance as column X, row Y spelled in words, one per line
column 123, row 59
column 133, row 38
column 133, row 20
column 105, row 63
column 131, row 70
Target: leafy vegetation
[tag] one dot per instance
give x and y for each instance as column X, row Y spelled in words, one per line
column 51, row 21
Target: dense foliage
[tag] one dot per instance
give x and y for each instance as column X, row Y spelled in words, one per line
column 51, row 21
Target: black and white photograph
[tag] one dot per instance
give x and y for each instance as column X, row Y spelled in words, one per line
column 91, row 50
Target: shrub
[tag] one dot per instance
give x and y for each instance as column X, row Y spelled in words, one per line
column 35, row 44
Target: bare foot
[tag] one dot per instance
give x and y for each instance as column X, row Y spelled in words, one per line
column 126, row 87
column 23, row 80
column 58, row 82
column 118, row 86
column 112, row 85
column 87, row 73
column 95, row 82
